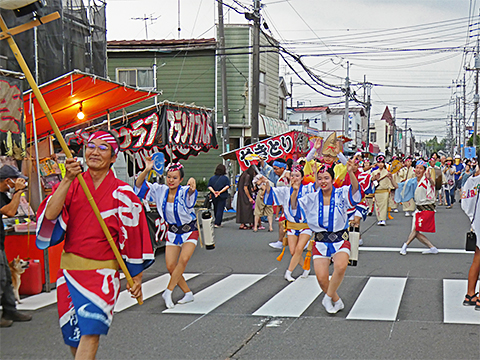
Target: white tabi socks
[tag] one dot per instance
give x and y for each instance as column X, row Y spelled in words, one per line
column 288, row 276
column 167, row 296
column 187, row 298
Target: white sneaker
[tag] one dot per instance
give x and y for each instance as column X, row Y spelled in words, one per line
column 305, row 274
column 403, row 250
column 327, row 304
column 382, row 223
column 338, row 305
column 187, row 298
column 407, row 213
column 395, row 210
column 288, row 276
column 276, row 245
column 432, row 250
column 167, row 296
column 360, row 242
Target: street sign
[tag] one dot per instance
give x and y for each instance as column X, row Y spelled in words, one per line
column 470, row 152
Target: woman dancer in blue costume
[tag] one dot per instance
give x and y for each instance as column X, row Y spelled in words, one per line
column 175, row 205
column 298, row 232
column 326, row 214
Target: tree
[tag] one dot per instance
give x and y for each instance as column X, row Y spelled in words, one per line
column 432, row 145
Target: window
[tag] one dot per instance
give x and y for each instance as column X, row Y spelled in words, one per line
column 373, row 137
column 141, row 77
column 263, row 89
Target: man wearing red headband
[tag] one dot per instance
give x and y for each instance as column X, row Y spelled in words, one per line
column 88, row 282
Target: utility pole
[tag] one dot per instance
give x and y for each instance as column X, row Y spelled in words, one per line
column 405, row 138
column 291, row 92
column 451, row 134
column 223, row 71
column 464, row 117
column 475, row 100
column 369, row 105
column 394, row 129
column 255, row 69
column 475, row 97
column 347, row 95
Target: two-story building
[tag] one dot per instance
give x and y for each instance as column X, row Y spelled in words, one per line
column 187, row 71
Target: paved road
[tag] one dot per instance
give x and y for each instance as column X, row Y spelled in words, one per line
column 396, row 307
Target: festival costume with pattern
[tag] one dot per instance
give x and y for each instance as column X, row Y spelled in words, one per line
column 282, row 197
column 329, row 222
column 404, row 174
column 423, row 193
column 471, row 205
column 88, row 282
column 382, row 193
column 180, row 215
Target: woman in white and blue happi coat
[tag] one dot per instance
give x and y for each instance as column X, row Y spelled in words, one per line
column 175, row 204
column 298, row 232
column 326, row 213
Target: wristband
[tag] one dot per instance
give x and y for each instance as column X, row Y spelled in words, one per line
column 17, row 191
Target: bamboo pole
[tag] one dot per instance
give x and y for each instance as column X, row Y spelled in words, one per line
column 36, row 91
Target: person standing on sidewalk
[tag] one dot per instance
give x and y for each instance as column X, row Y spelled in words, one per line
column 12, row 182
column 449, row 172
column 424, row 188
column 218, row 186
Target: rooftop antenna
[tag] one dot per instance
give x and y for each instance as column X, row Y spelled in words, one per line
column 145, row 19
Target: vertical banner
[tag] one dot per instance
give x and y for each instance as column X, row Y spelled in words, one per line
column 12, row 124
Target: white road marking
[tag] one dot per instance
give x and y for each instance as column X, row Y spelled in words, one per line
column 293, row 300
column 454, row 312
column 379, row 299
column 216, row 294
column 38, row 301
column 149, row 289
column 412, row 250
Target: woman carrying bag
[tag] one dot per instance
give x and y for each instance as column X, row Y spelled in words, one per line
column 424, row 194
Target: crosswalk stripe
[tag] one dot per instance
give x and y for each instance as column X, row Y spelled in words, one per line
column 216, row 294
column 454, row 312
column 38, row 301
column 379, row 299
column 293, row 300
column 149, row 289
column 411, row 250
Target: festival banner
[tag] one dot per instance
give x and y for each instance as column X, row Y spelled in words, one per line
column 12, row 124
column 175, row 130
column 281, row 146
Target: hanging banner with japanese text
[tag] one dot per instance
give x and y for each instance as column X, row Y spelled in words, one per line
column 281, row 146
column 175, row 130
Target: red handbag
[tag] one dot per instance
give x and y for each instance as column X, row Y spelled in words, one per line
column 425, row 221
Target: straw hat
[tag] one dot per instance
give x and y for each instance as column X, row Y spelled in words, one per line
column 330, row 145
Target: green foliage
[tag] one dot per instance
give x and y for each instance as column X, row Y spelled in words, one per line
column 434, row 146
column 470, row 141
column 202, row 185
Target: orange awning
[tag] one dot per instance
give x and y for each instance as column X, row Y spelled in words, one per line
column 64, row 95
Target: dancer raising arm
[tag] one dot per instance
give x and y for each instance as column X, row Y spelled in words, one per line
column 298, row 232
column 326, row 214
column 175, row 205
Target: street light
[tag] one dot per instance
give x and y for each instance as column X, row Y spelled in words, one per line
column 22, row 7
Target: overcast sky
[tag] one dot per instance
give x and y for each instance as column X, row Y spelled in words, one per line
column 411, row 50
